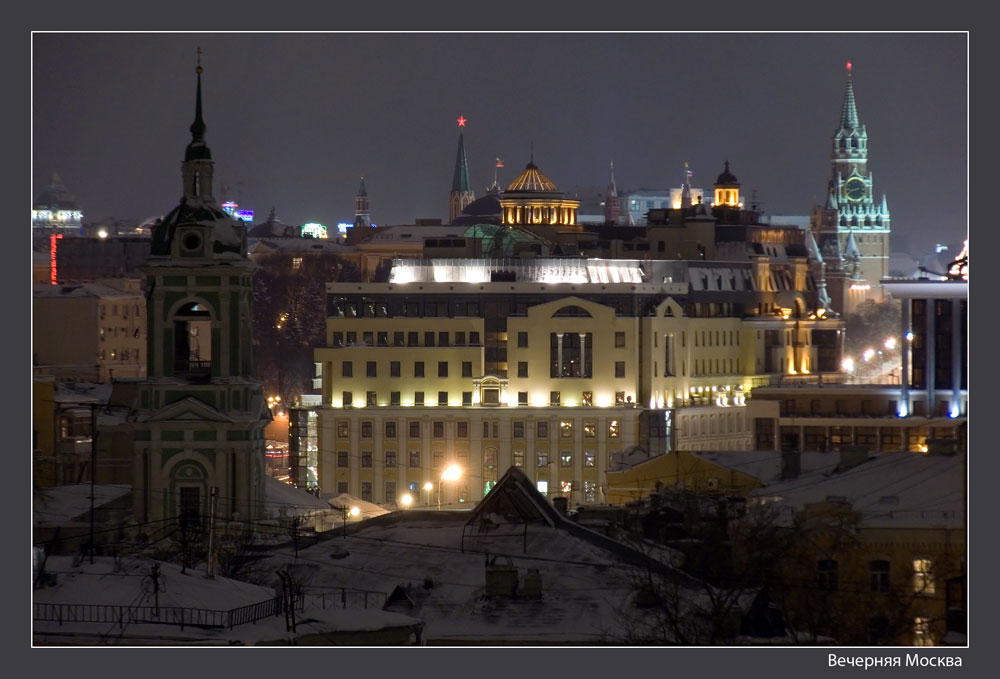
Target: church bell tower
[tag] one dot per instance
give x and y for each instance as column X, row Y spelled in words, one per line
column 199, row 416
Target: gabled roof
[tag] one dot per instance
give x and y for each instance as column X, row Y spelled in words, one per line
column 190, row 409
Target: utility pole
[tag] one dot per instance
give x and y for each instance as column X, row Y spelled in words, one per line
column 93, row 474
column 210, row 566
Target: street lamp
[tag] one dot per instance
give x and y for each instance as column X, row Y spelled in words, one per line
column 451, row 473
column 406, row 500
column 428, row 486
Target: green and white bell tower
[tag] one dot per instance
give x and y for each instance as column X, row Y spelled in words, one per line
column 852, row 229
column 199, row 416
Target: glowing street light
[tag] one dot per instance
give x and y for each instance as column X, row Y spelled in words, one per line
column 868, row 354
column 406, row 500
column 847, row 364
column 451, row 473
column 890, row 343
column 428, row 486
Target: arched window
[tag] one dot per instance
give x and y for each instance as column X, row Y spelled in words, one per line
column 193, row 340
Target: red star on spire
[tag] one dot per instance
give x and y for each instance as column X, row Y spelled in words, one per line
column 461, row 121
column 848, row 66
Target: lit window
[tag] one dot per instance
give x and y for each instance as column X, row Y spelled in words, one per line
column 589, row 459
column 922, row 632
column 518, row 456
column 543, row 488
column 590, row 430
column 566, row 487
column 542, row 459
column 589, row 491
column 613, row 429
column 588, row 398
column 923, row 576
column 296, row 262
column 566, row 429
column 566, row 460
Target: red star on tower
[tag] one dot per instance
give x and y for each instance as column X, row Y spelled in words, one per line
column 461, row 121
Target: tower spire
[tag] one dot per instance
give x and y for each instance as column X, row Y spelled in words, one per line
column 849, row 110
column 461, row 190
column 612, row 209
column 197, row 149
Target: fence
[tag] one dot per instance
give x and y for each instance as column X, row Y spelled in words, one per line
column 161, row 615
column 345, row 597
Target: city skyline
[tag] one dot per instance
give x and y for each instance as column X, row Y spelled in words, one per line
column 294, row 120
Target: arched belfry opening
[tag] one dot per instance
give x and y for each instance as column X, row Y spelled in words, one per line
column 193, row 340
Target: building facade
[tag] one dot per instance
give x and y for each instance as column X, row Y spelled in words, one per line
column 557, row 366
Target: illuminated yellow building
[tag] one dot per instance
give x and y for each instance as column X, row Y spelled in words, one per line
column 532, row 199
column 558, row 366
column 636, row 482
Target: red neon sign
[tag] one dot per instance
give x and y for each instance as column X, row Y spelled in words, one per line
column 53, row 274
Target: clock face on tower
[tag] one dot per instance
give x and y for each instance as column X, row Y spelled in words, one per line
column 854, row 189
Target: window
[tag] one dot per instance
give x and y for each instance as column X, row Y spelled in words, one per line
column 923, row 576
column 414, row 429
column 517, row 429
column 418, row 398
column 589, row 429
column 612, row 429
column 368, row 338
column 343, row 430
column 619, row 368
column 518, row 458
column 565, row 487
column 371, row 369
column 352, row 338
column 879, row 572
column 390, row 491
column 366, row 491
column 341, row 486
column 418, row 369
column 922, row 632
column 522, row 398
column 522, row 339
column 342, row 458
column 443, row 339
column 412, row 339
column 366, row 459
column 397, row 339
column 428, row 339
column 566, row 459
column 588, row 398
column 589, row 491
column 383, row 339
column 348, row 399
column 347, row 369
column 366, row 429
column 437, row 430
column 459, row 339
column 566, row 429
column 522, row 368
column 543, row 488
column 442, row 398
column 466, row 398
column 393, row 368
column 619, row 398
column 474, row 338
column 462, row 429
column 442, row 368
column 589, row 459
column 554, row 398
column 371, row 398
column 414, row 459
column 394, row 398
column 437, row 459
column 390, row 458
column 541, row 430
column 390, row 429
column 542, row 458
column 827, row 570
column 466, row 368
column 619, row 339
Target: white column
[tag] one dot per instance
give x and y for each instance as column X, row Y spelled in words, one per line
column 559, row 353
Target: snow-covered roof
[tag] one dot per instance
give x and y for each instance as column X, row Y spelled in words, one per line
column 895, row 489
column 58, row 505
column 280, row 493
column 765, row 465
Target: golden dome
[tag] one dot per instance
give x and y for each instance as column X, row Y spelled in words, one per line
column 531, row 179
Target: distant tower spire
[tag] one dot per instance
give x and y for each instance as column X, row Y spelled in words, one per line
column 362, row 216
column 612, row 208
column 461, row 190
column 849, row 110
column 686, row 187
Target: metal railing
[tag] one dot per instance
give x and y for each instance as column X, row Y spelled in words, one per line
column 160, row 615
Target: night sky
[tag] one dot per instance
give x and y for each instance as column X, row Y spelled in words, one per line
column 294, row 120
